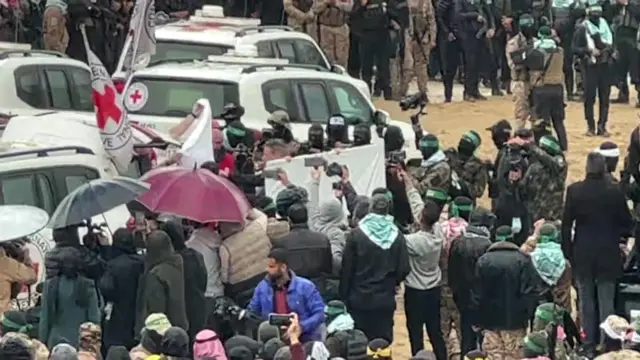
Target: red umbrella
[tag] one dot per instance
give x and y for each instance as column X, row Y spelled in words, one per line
column 194, row 194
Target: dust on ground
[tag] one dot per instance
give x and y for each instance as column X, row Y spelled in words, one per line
column 450, row 121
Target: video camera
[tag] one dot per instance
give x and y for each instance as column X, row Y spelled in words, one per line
column 517, row 157
column 414, row 101
column 397, row 158
column 240, row 320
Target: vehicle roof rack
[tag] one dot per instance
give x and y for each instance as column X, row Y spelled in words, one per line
column 26, row 53
column 254, row 68
column 261, row 28
column 45, row 152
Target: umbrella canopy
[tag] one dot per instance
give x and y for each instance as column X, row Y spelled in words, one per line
column 194, row 194
column 18, row 221
column 94, row 198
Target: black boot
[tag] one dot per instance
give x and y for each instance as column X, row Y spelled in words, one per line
column 623, row 95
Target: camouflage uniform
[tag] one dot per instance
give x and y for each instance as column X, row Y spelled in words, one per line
column 473, row 171
column 546, row 177
column 399, row 68
column 90, row 339
column 449, row 320
column 520, row 86
column 423, row 36
column 300, row 16
column 504, row 344
column 437, row 175
column 56, row 37
column 333, row 31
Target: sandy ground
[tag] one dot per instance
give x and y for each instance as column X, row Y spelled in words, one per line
column 450, row 121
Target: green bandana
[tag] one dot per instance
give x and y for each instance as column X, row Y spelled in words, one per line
column 550, row 145
column 455, row 209
column 236, row 131
column 472, row 137
column 504, row 237
column 437, row 195
column 532, row 346
column 429, row 144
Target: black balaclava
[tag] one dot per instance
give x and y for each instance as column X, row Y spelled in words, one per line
column 393, row 139
column 315, row 136
column 429, row 145
column 611, row 154
column 361, row 135
column 527, row 26
column 282, row 132
column 468, row 144
column 594, row 12
column 500, row 133
column 461, row 207
column 337, row 130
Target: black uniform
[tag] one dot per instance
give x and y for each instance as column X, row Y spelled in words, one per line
column 450, row 47
column 375, row 19
column 473, row 34
column 625, row 23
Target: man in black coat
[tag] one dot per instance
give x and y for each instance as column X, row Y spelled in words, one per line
column 195, row 278
column 463, row 257
column 503, row 296
column 118, row 286
column 374, row 263
column 599, row 211
column 309, row 251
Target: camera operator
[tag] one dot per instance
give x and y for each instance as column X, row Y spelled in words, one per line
column 16, row 270
column 337, row 132
column 434, row 171
column 514, row 196
column 395, row 161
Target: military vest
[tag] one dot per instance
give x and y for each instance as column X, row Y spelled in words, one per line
column 332, row 16
column 402, row 9
column 303, row 5
column 554, row 74
column 418, row 19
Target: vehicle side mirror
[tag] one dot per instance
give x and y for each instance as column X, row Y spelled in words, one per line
column 380, row 117
column 338, row 69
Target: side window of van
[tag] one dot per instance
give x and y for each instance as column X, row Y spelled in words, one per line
column 29, row 87
column 28, row 189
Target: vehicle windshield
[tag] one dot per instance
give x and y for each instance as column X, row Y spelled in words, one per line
column 175, row 97
column 167, row 51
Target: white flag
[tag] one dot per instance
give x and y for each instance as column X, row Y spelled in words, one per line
column 142, row 35
column 198, row 147
column 114, row 126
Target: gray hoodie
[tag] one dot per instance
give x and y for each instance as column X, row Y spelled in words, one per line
column 327, row 219
column 424, row 253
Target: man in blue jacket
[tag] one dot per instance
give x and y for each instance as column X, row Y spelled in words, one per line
column 282, row 292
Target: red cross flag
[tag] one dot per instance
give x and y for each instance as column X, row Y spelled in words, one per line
column 142, row 29
column 113, row 124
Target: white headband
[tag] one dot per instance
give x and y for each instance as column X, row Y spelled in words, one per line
column 615, row 152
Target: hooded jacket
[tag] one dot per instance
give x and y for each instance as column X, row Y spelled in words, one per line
column 118, row 286
column 374, row 262
column 195, row 277
column 463, row 256
column 161, row 287
column 68, row 246
column 328, row 219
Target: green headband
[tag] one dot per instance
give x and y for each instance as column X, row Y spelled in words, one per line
column 270, row 206
column 438, row 195
column 548, row 238
column 388, row 195
column 472, row 137
column 23, row 329
column 525, row 20
column 427, row 144
column 595, row 8
column 455, row 209
column 332, row 310
column 504, row 237
column 547, row 316
column 236, row 131
column 531, row 345
column 550, row 144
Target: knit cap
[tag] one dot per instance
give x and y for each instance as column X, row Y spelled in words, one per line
column 537, row 343
column 289, row 196
column 157, row 322
column 504, row 233
column 482, row 217
column 615, row 327
column 548, row 233
column 476, row 355
column 379, row 349
column 63, row 352
column 267, row 332
column 424, row 355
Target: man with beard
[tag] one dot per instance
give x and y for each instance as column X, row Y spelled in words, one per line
column 471, row 171
column 283, row 293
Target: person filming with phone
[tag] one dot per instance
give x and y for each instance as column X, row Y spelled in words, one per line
column 283, row 293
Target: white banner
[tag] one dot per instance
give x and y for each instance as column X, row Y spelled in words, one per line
column 365, row 164
column 198, row 148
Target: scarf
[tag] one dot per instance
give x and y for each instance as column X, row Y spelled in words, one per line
column 549, row 262
column 342, row 322
column 602, row 29
column 380, row 229
column 438, row 157
column 545, row 44
column 319, row 352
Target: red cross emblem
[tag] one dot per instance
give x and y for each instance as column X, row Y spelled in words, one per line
column 135, row 97
column 107, row 107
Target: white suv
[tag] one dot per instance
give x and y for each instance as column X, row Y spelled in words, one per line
column 161, row 96
column 43, row 80
column 202, row 36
